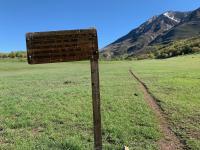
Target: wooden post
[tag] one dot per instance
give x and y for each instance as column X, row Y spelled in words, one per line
column 96, row 103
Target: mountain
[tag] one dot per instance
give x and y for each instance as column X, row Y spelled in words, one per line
column 188, row 27
column 169, row 26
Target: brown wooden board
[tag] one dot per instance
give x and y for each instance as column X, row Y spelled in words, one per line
column 61, row 46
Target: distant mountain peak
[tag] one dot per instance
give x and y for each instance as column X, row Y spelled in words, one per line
column 171, row 15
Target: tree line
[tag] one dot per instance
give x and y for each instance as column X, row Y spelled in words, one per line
column 14, row 54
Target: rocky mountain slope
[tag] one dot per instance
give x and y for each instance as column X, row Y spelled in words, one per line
column 188, row 27
column 169, row 26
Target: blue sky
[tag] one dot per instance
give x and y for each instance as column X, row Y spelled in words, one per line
column 112, row 18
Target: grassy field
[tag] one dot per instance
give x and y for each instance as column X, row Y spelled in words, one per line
column 175, row 83
column 49, row 106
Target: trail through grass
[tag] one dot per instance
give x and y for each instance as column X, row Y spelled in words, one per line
column 50, row 106
column 176, row 83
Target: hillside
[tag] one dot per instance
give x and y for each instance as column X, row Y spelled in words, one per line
column 174, row 48
column 167, row 27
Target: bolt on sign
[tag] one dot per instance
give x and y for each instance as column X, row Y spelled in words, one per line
column 70, row 45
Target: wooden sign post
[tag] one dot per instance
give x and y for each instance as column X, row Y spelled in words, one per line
column 70, row 45
column 96, row 103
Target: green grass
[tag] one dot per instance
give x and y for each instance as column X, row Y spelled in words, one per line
column 50, row 107
column 176, row 84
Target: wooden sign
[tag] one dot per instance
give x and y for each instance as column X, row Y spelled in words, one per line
column 71, row 45
column 61, row 46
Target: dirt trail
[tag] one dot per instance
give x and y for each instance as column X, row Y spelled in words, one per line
column 170, row 141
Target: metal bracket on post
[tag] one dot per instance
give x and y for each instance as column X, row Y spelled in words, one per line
column 96, row 103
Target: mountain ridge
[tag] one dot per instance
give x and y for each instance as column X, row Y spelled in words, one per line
column 155, row 30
